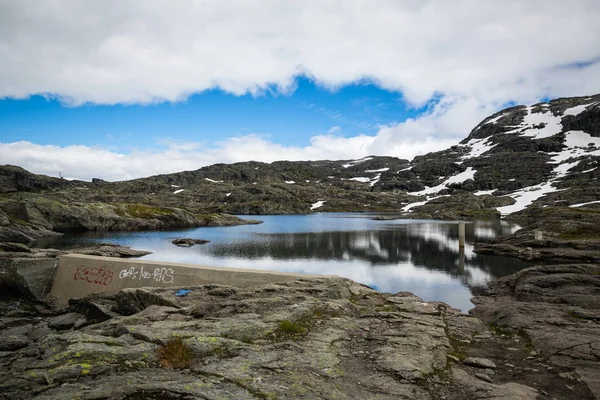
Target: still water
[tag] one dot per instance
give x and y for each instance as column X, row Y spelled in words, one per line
column 419, row 256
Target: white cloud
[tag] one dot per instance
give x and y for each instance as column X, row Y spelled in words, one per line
column 134, row 51
column 334, row 129
column 84, row 162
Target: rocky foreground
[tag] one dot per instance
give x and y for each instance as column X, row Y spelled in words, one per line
column 327, row 338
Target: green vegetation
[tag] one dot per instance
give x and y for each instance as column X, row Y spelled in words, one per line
column 295, row 330
column 143, row 211
column 581, row 232
column 290, row 328
column 175, row 354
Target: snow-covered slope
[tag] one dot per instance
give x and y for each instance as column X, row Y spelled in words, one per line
column 539, row 154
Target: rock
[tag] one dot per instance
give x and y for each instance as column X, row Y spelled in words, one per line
column 13, row 342
column 483, row 377
column 287, row 340
column 187, row 242
column 290, row 340
column 14, row 247
column 12, row 284
column 65, row 321
column 477, row 388
column 36, row 274
column 110, row 250
column 552, row 306
column 479, row 362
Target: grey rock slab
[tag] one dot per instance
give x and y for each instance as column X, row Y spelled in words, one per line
column 479, row 362
column 483, row 377
column 13, row 342
column 485, row 390
column 64, row 321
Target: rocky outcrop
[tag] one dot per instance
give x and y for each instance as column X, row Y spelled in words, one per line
column 31, row 216
column 188, row 242
column 565, row 235
column 311, row 338
column 16, row 179
column 557, row 310
column 462, row 206
column 18, row 250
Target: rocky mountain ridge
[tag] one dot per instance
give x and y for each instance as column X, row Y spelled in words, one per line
column 513, row 163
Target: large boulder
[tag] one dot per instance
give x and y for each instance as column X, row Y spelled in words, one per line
column 29, row 278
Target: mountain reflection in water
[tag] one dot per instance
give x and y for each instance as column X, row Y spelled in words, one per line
column 422, row 257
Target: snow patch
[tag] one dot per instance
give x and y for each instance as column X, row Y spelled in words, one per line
column 478, row 147
column 577, row 143
column 469, row 173
column 360, row 179
column 577, row 109
column 290, row 182
column 585, row 204
column 377, row 170
column 375, row 180
column 175, row 186
column 484, row 192
column 178, row 191
column 227, row 194
column 532, row 121
column 562, row 169
column 420, row 203
column 495, row 119
column 317, row 204
column 524, row 197
column 212, row 180
column 355, row 162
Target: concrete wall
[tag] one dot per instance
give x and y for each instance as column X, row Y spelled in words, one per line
column 79, row 275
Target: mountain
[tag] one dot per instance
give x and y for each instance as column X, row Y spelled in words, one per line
column 519, row 162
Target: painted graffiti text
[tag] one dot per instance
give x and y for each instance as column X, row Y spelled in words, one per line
column 164, row 275
column 98, row 276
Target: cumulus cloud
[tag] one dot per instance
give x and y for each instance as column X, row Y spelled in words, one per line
column 146, row 51
column 472, row 56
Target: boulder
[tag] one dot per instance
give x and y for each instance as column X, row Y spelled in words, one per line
column 187, row 242
column 27, row 277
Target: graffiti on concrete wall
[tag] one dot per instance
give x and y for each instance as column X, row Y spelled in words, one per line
column 97, row 276
column 164, row 275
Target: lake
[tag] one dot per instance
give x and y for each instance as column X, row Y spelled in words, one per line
column 419, row 256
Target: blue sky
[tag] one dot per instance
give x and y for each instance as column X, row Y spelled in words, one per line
column 290, row 119
column 135, row 88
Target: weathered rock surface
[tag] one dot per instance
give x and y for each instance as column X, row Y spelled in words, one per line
column 568, row 235
column 311, row 338
column 556, row 308
column 100, row 249
column 27, row 216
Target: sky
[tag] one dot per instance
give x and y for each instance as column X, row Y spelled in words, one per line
column 130, row 88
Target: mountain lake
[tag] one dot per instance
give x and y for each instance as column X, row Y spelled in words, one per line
column 418, row 256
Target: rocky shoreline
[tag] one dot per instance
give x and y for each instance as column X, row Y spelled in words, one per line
column 532, row 335
column 566, row 235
